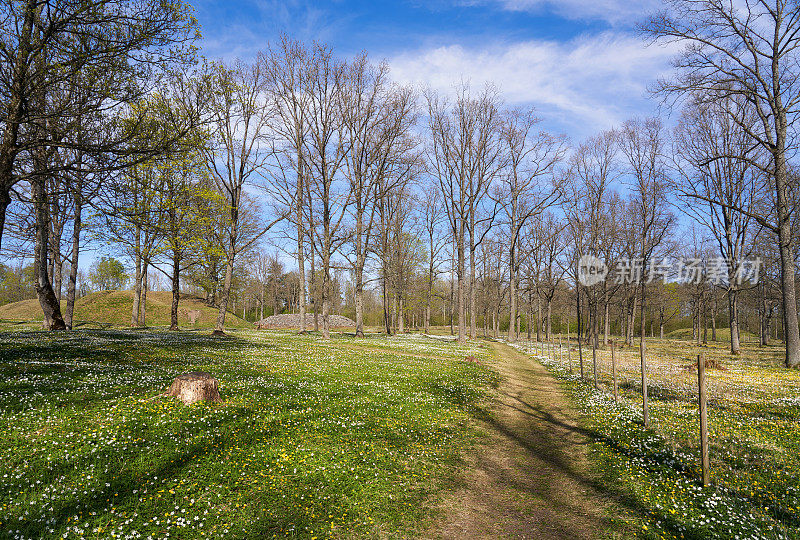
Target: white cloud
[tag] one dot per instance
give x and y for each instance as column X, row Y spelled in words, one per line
column 616, row 12
column 582, row 85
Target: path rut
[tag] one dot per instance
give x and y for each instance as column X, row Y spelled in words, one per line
column 531, row 479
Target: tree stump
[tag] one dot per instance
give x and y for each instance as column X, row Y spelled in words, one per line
column 195, row 386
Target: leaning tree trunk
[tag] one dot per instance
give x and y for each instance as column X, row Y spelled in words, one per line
column 51, row 307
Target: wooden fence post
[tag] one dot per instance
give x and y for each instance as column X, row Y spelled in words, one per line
column 569, row 351
column 702, row 400
column 614, row 372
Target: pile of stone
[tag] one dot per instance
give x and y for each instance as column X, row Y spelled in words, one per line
column 277, row 322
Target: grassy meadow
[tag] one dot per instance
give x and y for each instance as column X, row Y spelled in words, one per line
column 754, row 421
column 314, row 439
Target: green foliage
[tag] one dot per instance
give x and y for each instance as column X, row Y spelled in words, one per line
column 108, row 274
column 16, row 284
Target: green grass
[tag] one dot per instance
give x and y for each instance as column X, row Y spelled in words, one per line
column 314, row 439
column 754, row 426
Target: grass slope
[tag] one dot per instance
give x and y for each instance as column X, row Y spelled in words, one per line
column 337, row 439
column 723, row 334
column 114, row 307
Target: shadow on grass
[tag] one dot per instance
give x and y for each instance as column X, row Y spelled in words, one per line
column 38, row 364
column 123, row 485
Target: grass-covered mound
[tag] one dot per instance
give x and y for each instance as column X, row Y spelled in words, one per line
column 114, row 308
column 349, row 438
column 723, row 334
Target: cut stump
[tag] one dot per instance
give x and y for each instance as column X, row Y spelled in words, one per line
column 195, row 386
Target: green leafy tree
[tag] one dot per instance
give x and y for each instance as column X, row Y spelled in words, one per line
column 108, row 274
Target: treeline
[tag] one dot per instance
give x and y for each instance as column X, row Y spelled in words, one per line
column 417, row 205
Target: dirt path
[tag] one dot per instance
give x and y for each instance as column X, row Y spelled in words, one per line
column 530, row 480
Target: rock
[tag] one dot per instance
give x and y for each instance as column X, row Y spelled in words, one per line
column 195, row 386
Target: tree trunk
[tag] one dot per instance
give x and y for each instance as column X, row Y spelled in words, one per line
column 473, row 328
column 145, row 288
column 176, row 292
column 790, row 323
column 593, row 331
column 51, row 307
column 314, row 291
column 578, row 311
column 462, row 308
column 538, row 318
column 301, row 270
column 512, row 298
column 223, row 301
column 549, row 328
column 359, row 299
column 72, row 279
column 714, row 321
column 401, row 328
column 643, row 360
column 326, row 279
column 137, row 283
column 606, row 323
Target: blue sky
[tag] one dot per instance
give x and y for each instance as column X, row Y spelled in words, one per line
column 580, row 63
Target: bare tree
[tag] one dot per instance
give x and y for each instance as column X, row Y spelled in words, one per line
column 239, row 147
column 287, row 71
column 432, row 215
column 377, row 120
column 642, row 143
column 529, row 158
column 747, row 49
column 721, row 175
column 326, row 148
column 463, row 157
